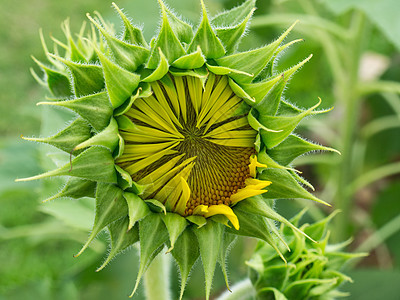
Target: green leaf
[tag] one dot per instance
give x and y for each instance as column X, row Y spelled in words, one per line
column 292, row 147
column 57, row 82
column 205, row 37
column 96, row 163
column 128, row 56
column 66, row 140
column 284, row 186
column 198, row 220
column 132, row 34
column 87, row 79
column 153, row 234
column 210, row 240
column 186, row 252
column 76, row 188
column 137, row 208
column 284, row 124
column 120, row 83
column 96, row 109
column 110, row 206
column 121, row 238
column 264, row 158
column 175, row 224
column 167, row 41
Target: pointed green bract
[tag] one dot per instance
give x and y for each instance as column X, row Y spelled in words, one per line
column 284, row 124
column 230, row 37
column 205, row 38
column 58, row 83
column 210, row 240
column 76, row 188
column 253, row 61
column 132, row 34
column 183, row 30
column 121, row 238
column 285, row 186
column 153, row 234
column 107, row 138
column 186, row 252
column 137, row 208
column 167, row 41
column 227, row 243
column 292, row 147
column 96, row 109
column 160, row 71
column 128, row 56
column 235, row 15
column 87, row 79
column 110, row 206
column 175, row 224
column 95, row 164
column 67, row 139
column 269, row 105
column 120, row 83
column 190, row 61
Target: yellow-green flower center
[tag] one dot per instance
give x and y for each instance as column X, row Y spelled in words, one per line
column 189, row 143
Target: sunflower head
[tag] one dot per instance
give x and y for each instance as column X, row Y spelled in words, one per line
column 176, row 139
column 312, row 270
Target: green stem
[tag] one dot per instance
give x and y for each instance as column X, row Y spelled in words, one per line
column 349, row 96
column 156, row 279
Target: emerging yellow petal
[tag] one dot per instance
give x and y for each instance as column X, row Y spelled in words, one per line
column 245, row 193
column 225, row 210
column 254, row 164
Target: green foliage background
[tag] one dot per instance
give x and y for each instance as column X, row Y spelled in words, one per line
column 37, row 240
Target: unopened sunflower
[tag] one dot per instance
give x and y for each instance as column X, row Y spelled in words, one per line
column 176, row 138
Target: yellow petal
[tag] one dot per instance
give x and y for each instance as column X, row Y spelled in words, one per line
column 256, row 183
column 225, row 210
column 200, row 210
column 253, row 164
column 245, row 193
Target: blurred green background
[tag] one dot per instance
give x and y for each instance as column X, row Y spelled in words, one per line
column 355, row 68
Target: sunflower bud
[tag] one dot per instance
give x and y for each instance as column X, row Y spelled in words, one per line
column 312, row 270
column 178, row 138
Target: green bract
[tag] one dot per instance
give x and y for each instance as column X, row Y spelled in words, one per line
column 176, row 139
column 311, row 271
